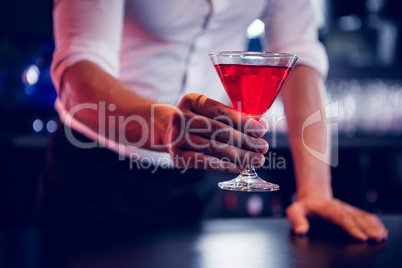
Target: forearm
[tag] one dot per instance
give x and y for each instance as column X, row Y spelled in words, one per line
column 304, row 95
column 85, row 82
column 193, row 133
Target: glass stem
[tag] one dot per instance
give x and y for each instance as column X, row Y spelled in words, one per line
column 249, row 171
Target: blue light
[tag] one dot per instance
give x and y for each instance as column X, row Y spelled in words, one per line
column 37, row 125
column 31, row 75
column 51, row 126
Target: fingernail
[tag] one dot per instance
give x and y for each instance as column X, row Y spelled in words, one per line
column 301, row 230
column 379, row 239
column 382, row 235
column 362, row 238
column 257, row 129
column 262, row 146
column 265, row 126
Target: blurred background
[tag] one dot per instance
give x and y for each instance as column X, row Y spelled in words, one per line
column 363, row 41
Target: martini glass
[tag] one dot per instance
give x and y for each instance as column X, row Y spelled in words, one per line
column 252, row 81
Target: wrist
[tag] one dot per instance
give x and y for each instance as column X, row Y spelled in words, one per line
column 161, row 121
column 317, row 184
column 322, row 190
column 300, row 195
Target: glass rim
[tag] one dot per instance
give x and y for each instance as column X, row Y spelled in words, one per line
column 255, row 53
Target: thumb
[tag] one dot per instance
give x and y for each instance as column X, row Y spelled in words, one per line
column 297, row 218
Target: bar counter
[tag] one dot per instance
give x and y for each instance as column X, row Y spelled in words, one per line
column 248, row 242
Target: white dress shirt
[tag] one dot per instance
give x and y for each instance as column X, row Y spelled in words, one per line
column 160, row 48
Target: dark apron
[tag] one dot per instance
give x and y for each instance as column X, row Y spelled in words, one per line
column 93, row 187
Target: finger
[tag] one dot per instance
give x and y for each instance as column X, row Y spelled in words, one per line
column 221, row 132
column 375, row 222
column 350, row 226
column 339, row 215
column 297, row 218
column 222, row 113
column 365, row 226
column 191, row 159
column 382, row 231
column 369, row 223
column 372, row 226
column 223, row 151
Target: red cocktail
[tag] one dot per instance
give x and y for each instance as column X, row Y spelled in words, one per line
column 252, row 81
column 252, row 88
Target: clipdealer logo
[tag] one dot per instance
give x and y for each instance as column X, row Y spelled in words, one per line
column 330, row 113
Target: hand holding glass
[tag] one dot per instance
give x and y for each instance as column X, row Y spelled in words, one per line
column 252, row 81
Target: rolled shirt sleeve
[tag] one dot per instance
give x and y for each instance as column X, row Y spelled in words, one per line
column 87, row 30
column 292, row 27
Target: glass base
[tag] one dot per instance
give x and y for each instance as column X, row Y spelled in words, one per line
column 248, row 181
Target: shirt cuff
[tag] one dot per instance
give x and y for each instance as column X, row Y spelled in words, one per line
column 312, row 55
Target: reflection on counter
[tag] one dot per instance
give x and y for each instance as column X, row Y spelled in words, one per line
column 363, row 41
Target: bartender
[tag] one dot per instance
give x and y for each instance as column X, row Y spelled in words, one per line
column 129, row 74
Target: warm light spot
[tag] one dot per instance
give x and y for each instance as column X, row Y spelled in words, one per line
column 256, row 29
